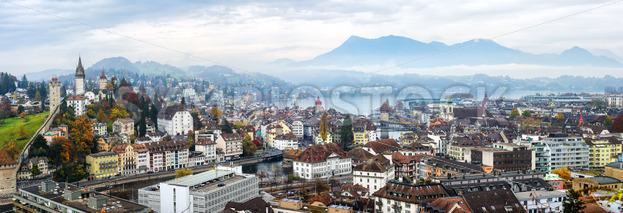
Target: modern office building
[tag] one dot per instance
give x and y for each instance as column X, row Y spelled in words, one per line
column 205, row 192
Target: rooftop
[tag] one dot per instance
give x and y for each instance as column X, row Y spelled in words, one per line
column 113, row 204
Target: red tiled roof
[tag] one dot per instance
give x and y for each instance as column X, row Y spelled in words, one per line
column 447, row 203
column 384, row 145
column 320, row 153
column 360, row 154
column 411, row 193
column 5, row 159
column 76, row 98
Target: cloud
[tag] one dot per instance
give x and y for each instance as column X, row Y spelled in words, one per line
column 243, row 33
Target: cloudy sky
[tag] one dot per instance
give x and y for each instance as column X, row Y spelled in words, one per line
column 242, row 34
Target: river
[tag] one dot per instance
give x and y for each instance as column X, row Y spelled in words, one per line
column 274, row 168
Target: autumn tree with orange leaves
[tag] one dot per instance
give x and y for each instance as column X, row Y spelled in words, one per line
column 81, row 132
column 65, row 149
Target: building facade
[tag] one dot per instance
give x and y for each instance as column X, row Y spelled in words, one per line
column 175, row 120
column 79, row 103
column 205, row 192
column 103, row 164
column 231, row 144
column 322, row 161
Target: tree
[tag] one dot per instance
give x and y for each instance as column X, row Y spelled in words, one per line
column 563, row 173
column 119, row 112
column 527, row 123
column 183, row 101
column 514, row 113
column 102, row 117
column 572, row 203
column 246, row 138
column 197, row 124
column 618, row 195
column 81, row 132
column 617, row 123
column 239, row 124
column 39, row 147
column 346, row 132
column 248, row 148
column 608, row 121
column 183, row 172
column 526, row 113
column 34, row 171
column 20, row 109
column 21, row 133
column 37, row 96
column 324, row 126
column 560, row 116
column 216, row 113
column 226, row 126
column 153, row 114
column 91, row 114
column 22, row 115
column 12, row 149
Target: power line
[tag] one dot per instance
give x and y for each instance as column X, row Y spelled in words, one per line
column 126, row 36
column 498, row 36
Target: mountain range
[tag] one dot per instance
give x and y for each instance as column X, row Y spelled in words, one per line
column 397, row 50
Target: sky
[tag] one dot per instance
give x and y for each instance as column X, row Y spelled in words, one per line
column 36, row 35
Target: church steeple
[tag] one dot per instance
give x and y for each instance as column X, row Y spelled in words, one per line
column 79, row 69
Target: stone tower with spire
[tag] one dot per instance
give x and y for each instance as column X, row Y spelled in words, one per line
column 55, row 93
column 79, row 86
column 103, row 81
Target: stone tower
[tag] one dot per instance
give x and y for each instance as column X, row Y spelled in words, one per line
column 103, row 81
column 55, row 93
column 79, row 87
column 8, row 172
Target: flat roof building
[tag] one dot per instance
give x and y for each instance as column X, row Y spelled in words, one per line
column 204, row 192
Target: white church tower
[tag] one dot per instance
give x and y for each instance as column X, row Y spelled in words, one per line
column 79, row 87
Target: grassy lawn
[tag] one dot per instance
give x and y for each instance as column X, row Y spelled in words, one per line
column 10, row 127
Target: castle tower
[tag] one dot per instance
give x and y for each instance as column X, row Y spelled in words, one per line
column 55, row 93
column 79, row 87
column 8, row 172
column 319, row 105
column 103, row 81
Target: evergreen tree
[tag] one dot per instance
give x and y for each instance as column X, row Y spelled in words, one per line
column 226, row 127
column 572, row 203
column 346, row 132
column 183, row 101
column 153, row 114
column 24, row 83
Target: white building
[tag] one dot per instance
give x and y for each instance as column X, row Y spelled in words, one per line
column 231, row 144
column 79, row 84
column 322, row 161
column 205, row 192
column 207, row 147
column 615, row 100
column 373, row 174
column 298, row 129
column 558, row 150
column 286, row 142
column 542, row 201
column 100, row 129
column 79, row 103
column 92, row 96
column 175, row 120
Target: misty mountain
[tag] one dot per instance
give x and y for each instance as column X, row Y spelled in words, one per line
column 393, row 50
column 46, row 74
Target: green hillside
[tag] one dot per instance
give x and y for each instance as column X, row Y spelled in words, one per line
column 9, row 128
